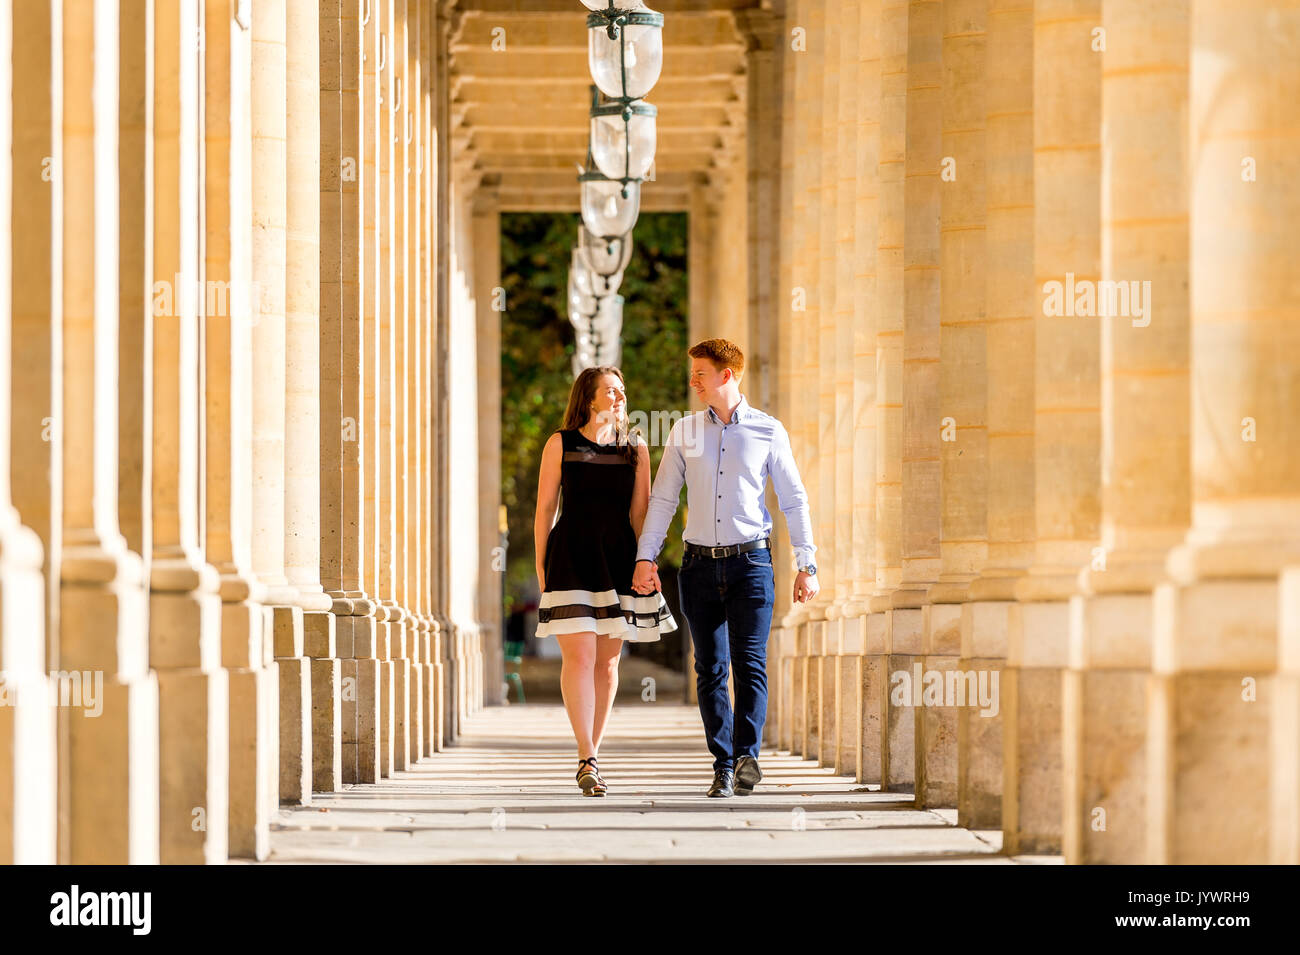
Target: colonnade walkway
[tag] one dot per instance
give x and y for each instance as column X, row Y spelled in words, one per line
column 506, row 793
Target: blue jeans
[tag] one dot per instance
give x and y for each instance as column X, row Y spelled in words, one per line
column 728, row 603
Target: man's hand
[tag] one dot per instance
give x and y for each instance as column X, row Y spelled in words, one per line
column 805, row 587
column 645, row 578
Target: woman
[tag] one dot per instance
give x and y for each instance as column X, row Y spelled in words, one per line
column 585, row 562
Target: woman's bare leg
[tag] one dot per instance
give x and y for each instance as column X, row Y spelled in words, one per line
column 606, row 684
column 579, row 659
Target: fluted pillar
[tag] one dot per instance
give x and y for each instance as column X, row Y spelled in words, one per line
column 269, row 394
column 871, row 673
column 846, row 664
column 111, row 762
column 302, row 529
column 784, row 393
column 389, row 395
column 433, row 94
column 228, row 320
column 1067, row 399
column 184, row 604
column 962, row 425
column 491, row 560
column 1215, row 648
column 1010, row 302
column 28, row 752
column 1145, row 400
column 888, row 635
column 346, row 528
column 805, row 296
column 374, row 64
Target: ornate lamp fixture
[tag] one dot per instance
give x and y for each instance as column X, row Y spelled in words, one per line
column 625, row 47
column 623, row 137
column 601, row 256
column 609, row 208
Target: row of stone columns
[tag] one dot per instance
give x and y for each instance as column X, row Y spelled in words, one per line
column 1083, row 507
column 225, row 229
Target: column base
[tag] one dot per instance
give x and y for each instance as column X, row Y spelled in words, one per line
column 984, row 629
column 1032, row 770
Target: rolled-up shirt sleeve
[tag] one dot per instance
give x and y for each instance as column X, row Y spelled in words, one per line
column 792, row 497
column 663, row 497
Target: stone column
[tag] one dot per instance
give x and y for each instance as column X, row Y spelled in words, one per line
column 487, row 279
column 35, row 337
column 843, row 668
column 1010, row 303
column 346, row 528
column 821, row 450
column 430, row 41
column 897, row 724
column 868, row 669
column 410, row 521
column 389, row 421
column 1215, row 647
column 28, row 748
column 805, row 416
column 228, row 437
column 111, row 762
column 270, row 201
column 302, row 529
column 184, row 603
column 783, row 734
column 962, row 426
column 1067, row 399
column 1145, row 400
column 374, row 62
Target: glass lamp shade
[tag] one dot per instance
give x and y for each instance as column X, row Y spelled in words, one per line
column 580, row 273
column 623, row 139
column 579, row 302
column 602, row 285
column 626, row 65
column 611, row 305
column 604, row 256
column 605, row 212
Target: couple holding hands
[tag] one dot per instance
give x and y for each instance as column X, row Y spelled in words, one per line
column 596, row 566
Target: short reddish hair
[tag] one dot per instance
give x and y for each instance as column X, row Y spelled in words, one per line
column 722, row 353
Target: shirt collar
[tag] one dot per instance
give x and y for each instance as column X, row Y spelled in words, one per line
column 736, row 416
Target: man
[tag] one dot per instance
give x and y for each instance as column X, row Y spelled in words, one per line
column 725, row 455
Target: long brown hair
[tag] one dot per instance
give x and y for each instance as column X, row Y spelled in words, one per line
column 581, row 396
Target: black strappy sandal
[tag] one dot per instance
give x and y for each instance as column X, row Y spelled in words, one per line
column 589, row 779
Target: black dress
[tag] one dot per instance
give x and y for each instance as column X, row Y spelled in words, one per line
column 591, row 550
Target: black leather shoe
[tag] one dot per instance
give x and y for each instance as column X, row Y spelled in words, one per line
column 747, row 775
column 724, row 781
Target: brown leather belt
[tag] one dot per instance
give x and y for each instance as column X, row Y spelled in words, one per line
column 726, row 550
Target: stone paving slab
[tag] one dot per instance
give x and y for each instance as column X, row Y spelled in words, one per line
column 506, row 793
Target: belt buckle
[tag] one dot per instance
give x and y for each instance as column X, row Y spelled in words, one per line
column 713, row 551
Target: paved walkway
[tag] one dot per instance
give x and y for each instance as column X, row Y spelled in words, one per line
column 506, row 793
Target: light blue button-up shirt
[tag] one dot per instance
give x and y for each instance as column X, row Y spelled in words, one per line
column 726, row 467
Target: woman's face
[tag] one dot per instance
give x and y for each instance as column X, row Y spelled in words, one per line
column 609, row 403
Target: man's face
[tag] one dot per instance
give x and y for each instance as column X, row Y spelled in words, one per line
column 707, row 380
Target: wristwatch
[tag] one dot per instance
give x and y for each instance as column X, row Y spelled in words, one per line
column 811, row 570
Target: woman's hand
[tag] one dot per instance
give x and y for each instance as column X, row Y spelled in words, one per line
column 541, row 579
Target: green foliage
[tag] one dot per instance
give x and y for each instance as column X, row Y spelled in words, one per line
column 537, row 345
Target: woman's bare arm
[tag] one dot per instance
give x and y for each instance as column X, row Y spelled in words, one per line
column 641, row 490
column 548, row 496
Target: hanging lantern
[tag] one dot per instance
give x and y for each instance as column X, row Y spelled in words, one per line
column 580, row 273
column 609, row 208
column 604, row 256
column 602, row 285
column 625, row 49
column 623, row 139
